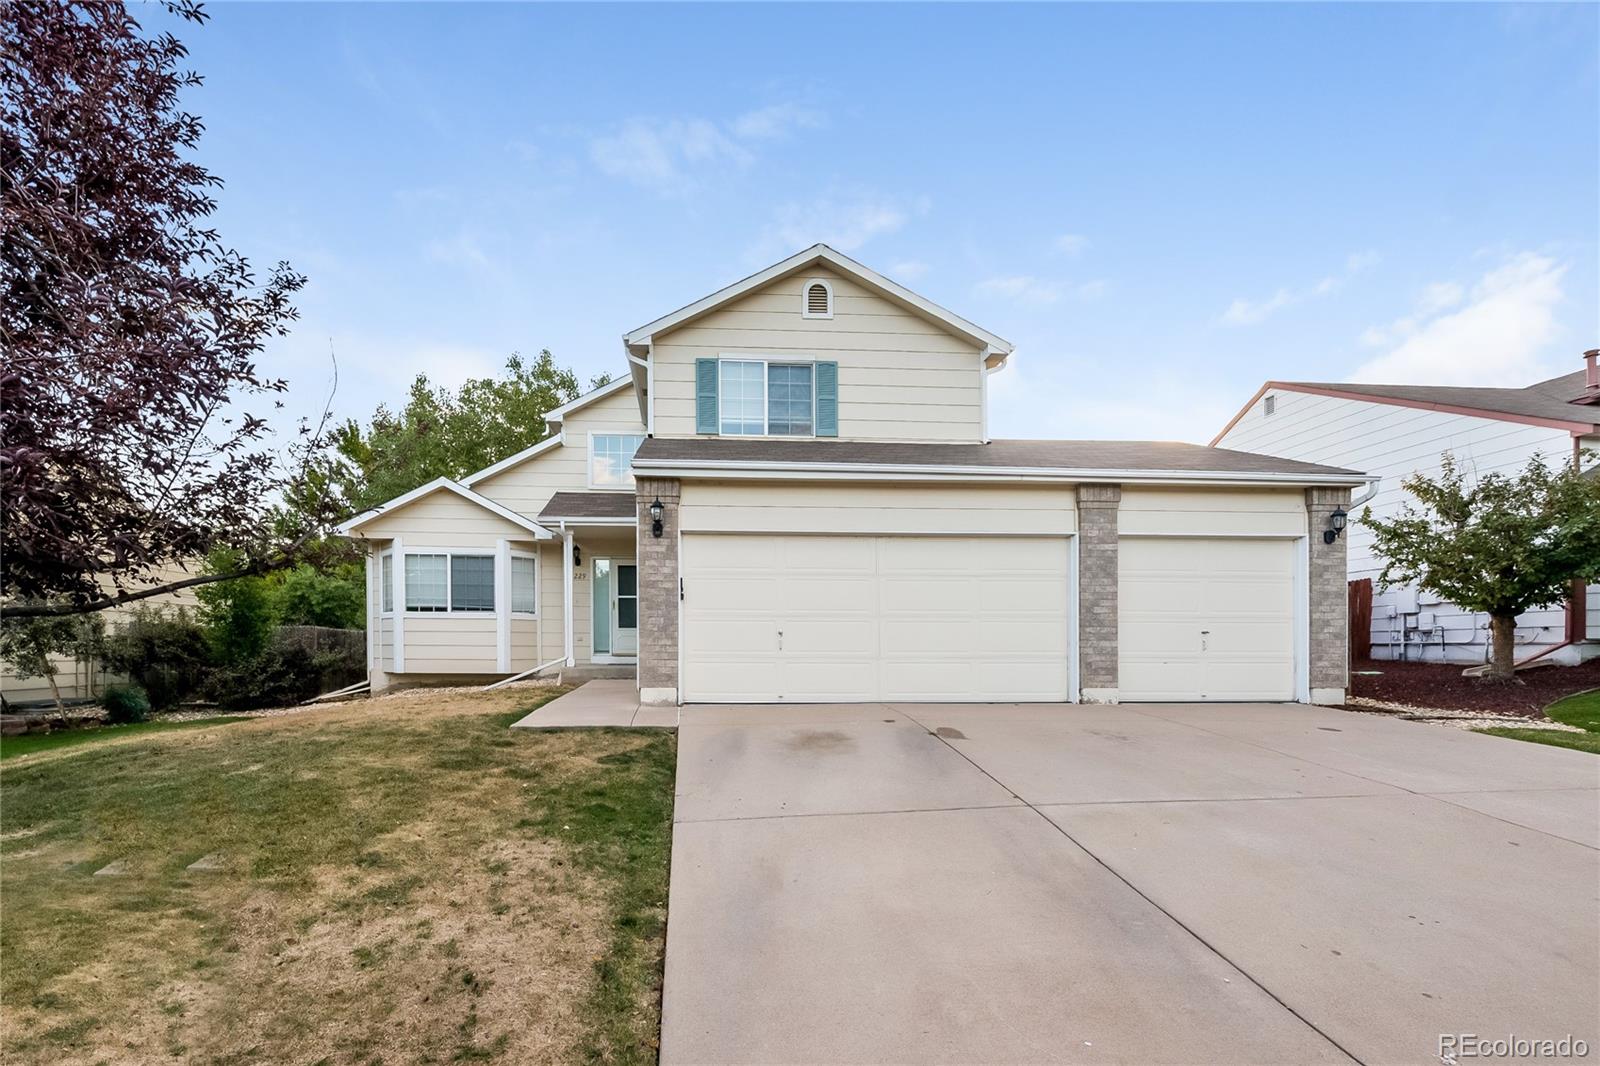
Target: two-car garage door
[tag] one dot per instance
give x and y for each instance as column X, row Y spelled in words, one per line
column 809, row 619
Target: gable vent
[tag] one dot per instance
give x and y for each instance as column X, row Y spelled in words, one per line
column 818, row 300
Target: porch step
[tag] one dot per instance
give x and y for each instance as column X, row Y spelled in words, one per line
column 577, row 675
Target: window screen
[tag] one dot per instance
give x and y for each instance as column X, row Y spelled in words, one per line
column 472, row 582
column 426, row 582
column 386, row 582
column 789, row 403
column 741, row 399
column 522, row 585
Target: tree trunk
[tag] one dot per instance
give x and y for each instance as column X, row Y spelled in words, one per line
column 1502, row 658
column 55, row 690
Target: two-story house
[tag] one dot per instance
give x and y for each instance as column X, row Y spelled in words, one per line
column 793, row 497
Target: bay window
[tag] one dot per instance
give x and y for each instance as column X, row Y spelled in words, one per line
column 449, row 582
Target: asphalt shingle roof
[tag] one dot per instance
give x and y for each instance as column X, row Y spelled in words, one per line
column 1129, row 455
column 1543, row 399
column 589, row 505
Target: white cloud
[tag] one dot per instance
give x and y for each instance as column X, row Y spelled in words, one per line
column 1496, row 338
column 1071, row 243
column 847, row 222
column 671, row 155
column 767, row 123
column 909, row 270
column 1039, row 292
column 1243, row 312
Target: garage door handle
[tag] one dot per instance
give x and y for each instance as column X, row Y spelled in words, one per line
column 1204, row 633
column 780, row 640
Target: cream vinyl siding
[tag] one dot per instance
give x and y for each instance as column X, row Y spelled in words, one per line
column 1395, row 442
column 450, row 644
column 877, row 508
column 528, row 486
column 810, row 619
column 900, row 376
column 525, row 644
column 1206, row 619
column 443, row 520
column 1212, row 512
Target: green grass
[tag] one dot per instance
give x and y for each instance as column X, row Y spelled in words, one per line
column 398, row 886
column 1581, row 710
column 28, row 743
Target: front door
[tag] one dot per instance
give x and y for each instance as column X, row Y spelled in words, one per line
column 625, row 609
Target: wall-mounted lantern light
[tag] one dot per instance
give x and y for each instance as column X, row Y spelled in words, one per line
column 1336, row 523
column 655, row 517
column 577, row 556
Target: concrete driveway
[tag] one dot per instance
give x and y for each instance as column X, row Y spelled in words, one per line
column 1177, row 884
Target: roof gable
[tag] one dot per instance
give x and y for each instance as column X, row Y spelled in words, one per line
column 443, row 484
column 868, row 278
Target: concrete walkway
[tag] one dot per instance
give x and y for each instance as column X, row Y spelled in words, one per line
column 597, row 704
column 1154, row 884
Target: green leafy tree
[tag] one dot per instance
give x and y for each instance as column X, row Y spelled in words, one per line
column 306, row 596
column 32, row 645
column 236, row 614
column 442, row 432
column 1502, row 545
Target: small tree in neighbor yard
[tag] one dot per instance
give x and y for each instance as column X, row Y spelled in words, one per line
column 1503, row 545
column 130, row 330
column 31, row 645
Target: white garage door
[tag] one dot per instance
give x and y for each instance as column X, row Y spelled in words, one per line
column 819, row 619
column 1206, row 619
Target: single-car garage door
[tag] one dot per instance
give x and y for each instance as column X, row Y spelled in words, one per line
column 1206, row 618
column 816, row 619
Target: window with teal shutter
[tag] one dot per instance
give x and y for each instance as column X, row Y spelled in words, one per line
column 827, row 399
column 705, row 395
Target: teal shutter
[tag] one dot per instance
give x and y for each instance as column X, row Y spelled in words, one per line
column 705, row 395
column 827, row 399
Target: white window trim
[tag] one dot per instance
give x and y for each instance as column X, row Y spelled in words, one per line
column 589, row 458
column 385, row 593
column 768, row 361
column 509, row 588
column 805, row 301
column 449, row 611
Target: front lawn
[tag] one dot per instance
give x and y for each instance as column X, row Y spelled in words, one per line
column 396, row 880
column 28, row 743
column 1582, row 710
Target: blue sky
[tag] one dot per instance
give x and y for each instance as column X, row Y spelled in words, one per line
column 1161, row 206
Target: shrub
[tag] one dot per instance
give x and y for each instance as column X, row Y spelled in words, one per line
column 125, row 703
column 335, row 598
column 237, row 614
column 165, row 653
column 278, row 677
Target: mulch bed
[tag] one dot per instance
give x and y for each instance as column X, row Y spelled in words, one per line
column 1442, row 686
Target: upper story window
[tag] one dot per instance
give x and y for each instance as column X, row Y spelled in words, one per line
column 611, row 458
column 774, row 399
column 816, row 299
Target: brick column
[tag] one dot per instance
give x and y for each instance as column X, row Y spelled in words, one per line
column 1097, row 592
column 1327, row 576
column 658, row 591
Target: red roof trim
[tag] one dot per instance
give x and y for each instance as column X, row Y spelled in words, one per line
column 1575, row 428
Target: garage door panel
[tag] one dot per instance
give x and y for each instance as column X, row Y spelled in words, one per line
column 1206, row 619
column 876, row 618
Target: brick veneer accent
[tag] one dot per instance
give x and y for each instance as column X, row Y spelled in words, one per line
column 658, row 591
column 1097, row 591
column 1327, row 578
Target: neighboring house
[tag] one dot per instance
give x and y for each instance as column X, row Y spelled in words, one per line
column 85, row 679
column 1393, row 431
column 793, row 497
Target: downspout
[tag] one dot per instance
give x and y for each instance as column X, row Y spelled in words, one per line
column 566, row 594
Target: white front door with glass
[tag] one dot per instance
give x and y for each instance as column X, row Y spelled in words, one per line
column 616, row 609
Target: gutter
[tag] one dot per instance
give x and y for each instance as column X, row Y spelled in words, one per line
column 691, row 468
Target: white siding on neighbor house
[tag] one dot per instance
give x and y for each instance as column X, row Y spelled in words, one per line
column 877, row 508
column 528, row 486
column 1395, row 442
column 1212, row 512
column 900, row 376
